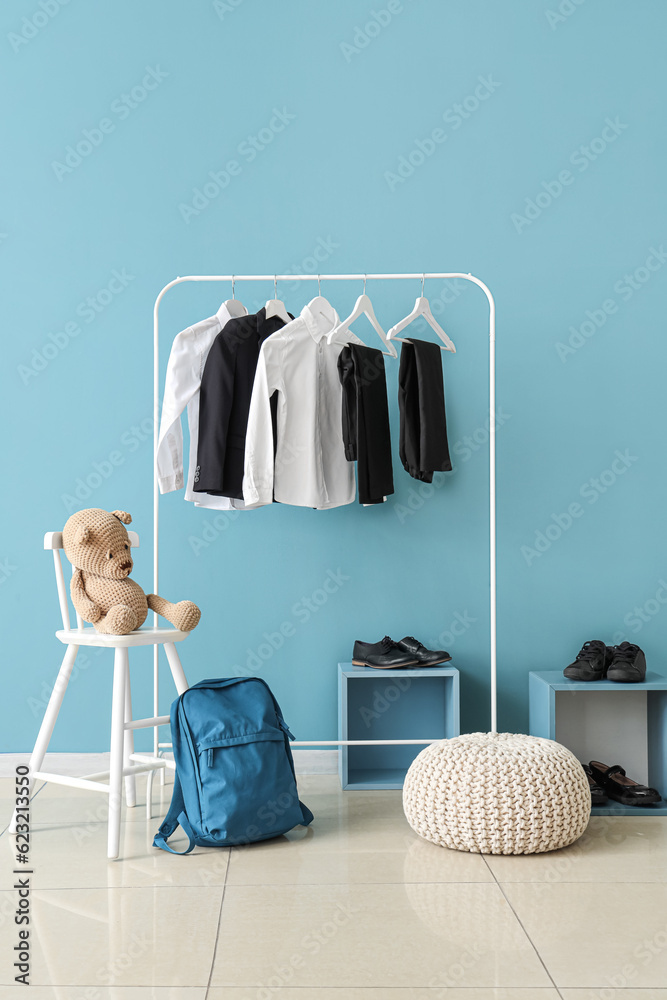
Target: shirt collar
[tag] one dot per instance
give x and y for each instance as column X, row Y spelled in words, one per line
column 224, row 315
column 321, row 321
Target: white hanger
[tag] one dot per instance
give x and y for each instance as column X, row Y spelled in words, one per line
column 274, row 307
column 233, row 306
column 364, row 305
column 319, row 304
column 422, row 308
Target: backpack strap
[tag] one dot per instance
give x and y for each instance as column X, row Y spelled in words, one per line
column 175, row 817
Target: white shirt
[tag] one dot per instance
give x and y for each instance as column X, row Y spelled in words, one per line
column 181, row 389
column 310, row 468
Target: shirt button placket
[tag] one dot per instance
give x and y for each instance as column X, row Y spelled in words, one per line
column 320, row 363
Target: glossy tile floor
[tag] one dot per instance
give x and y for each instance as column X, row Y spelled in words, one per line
column 355, row 908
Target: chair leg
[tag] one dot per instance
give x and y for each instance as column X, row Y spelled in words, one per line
column 128, row 743
column 178, row 675
column 149, row 794
column 176, row 668
column 49, row 720
column 120, row 670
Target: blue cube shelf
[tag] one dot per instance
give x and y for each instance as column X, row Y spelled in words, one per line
column 552, row 696
column 392, row 705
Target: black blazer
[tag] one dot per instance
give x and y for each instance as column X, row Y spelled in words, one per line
column 224, row 403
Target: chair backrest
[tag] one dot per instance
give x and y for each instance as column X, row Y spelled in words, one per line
column 54, row 540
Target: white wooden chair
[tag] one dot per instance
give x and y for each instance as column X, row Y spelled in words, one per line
column 123, row 725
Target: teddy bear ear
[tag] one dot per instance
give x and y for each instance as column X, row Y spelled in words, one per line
column 123, row 516
column 83, row 535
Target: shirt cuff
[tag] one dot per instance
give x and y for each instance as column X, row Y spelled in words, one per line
column 258, row 495
column 169, row 483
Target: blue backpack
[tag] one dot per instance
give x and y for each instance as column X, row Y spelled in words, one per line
column 235, row 781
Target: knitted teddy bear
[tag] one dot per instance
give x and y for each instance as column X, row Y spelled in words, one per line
column 97, row 545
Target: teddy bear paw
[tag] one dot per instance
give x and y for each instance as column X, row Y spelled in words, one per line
column 186, row 616
column 119, row 620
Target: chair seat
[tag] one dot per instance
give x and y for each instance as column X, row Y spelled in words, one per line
column 149, row 636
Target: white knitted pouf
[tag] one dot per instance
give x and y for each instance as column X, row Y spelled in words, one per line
column 497, row 793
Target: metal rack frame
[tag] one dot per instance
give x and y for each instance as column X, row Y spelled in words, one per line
column 233, row 278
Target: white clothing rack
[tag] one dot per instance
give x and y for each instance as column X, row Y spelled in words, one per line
column 441, row 275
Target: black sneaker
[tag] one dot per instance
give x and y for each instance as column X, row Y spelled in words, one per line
column 591, row 663
column 628, row 665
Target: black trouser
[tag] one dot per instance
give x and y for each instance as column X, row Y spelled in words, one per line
column 422, row 445
column 366, row 420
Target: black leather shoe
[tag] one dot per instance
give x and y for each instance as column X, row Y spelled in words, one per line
column 425, row 657
column 384, row 655
column 598, row 794
column 628, row 665
column 591, row 663
column 621, row 788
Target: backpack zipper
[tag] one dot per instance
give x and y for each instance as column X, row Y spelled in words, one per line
column 283, row 726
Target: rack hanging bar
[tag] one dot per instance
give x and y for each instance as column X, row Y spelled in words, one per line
column 439, row 275
column 359, row 743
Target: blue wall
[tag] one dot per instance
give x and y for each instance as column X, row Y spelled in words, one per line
column 546, row 180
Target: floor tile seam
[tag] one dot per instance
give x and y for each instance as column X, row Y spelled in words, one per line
column 109, row 888
column 528, row 990
column 308, row 885
column 125, row 986
column 117, row 888
column 520, row 922
column 601, row 881
column 316, row 885
column 215, row 940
